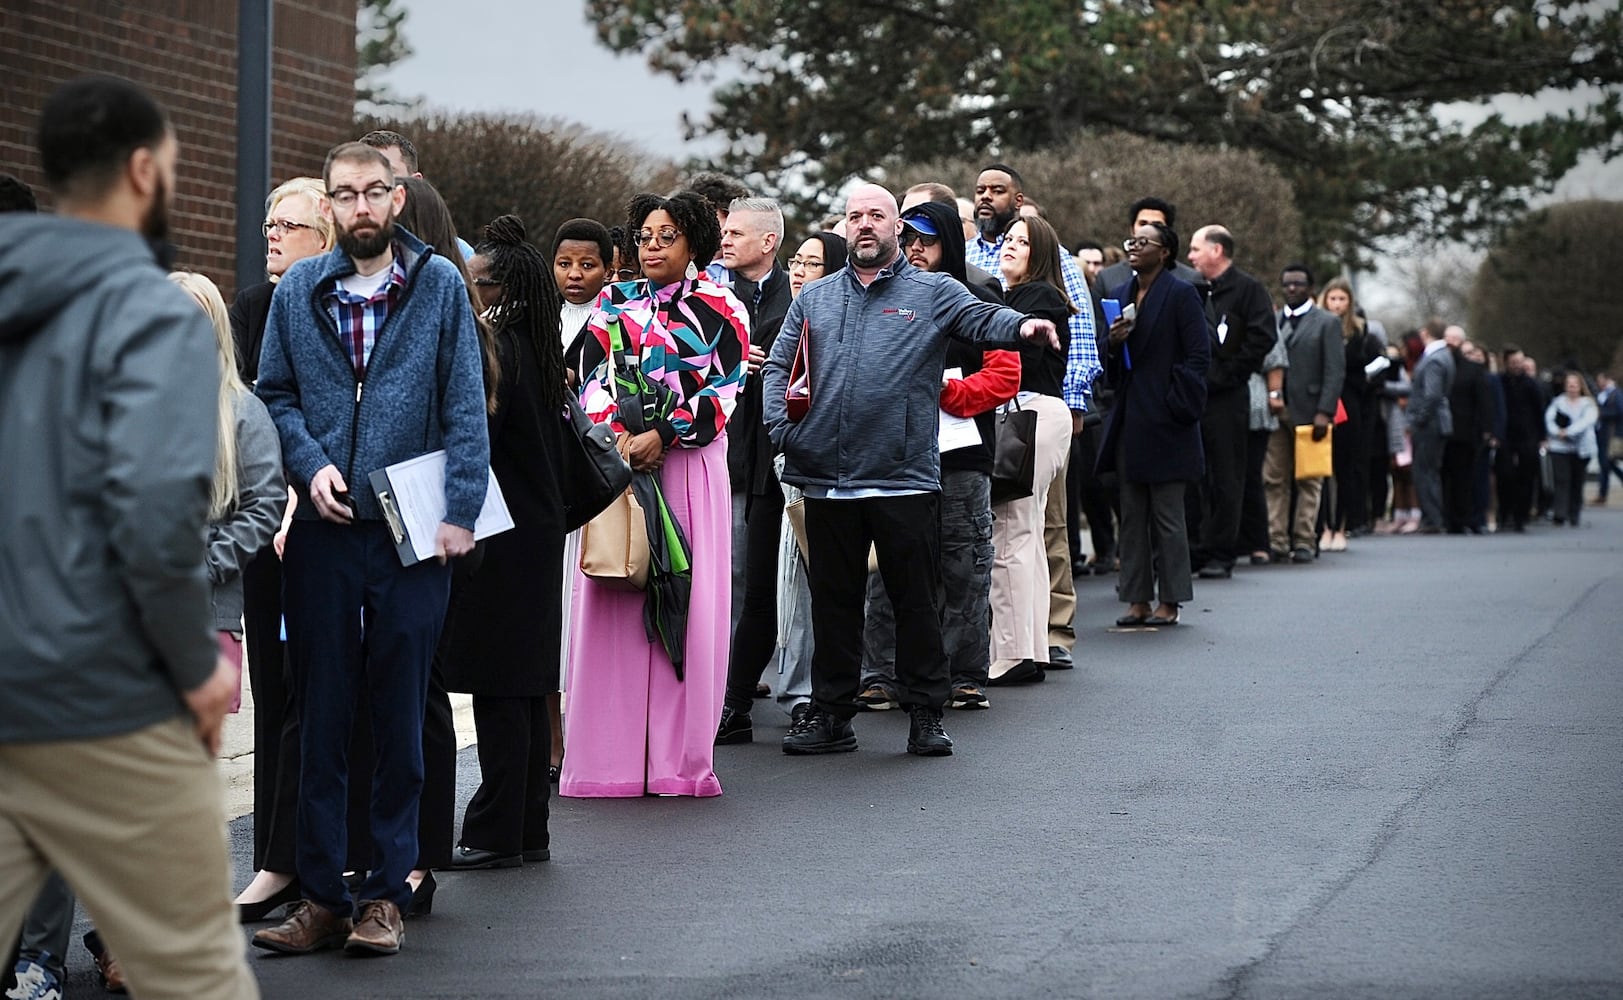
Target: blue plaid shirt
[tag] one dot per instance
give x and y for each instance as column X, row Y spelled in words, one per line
column 1082, row 361
column 359, row 320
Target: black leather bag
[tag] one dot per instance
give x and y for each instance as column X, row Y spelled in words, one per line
column 1014, row 455
column 594, row 473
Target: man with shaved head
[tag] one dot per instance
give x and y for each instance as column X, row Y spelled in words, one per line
column 865, row 455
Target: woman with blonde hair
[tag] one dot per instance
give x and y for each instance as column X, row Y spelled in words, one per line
column 1346, row 509
column 249, row 493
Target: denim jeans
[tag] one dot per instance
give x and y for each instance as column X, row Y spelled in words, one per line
column 966, row 575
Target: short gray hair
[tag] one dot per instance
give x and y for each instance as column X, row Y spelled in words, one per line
column 766, row 206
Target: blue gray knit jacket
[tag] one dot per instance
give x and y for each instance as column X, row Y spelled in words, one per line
column 424, row 387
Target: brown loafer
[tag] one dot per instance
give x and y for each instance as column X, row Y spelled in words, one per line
column 380, row 930
column 112, row 977
column 308, row 928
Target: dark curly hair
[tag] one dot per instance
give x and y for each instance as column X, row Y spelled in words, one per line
column 529, row 302
column 694, row 218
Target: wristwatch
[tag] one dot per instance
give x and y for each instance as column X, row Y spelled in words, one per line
column 1273, row 393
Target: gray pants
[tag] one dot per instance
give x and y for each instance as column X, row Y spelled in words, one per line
column 1428, row 475
column 966, row 576
column 1154, row 544
column 48, row 927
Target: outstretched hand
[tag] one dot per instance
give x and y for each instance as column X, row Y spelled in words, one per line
column 1040, row 331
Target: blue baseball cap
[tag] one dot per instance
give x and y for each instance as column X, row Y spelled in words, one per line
column 920, row 222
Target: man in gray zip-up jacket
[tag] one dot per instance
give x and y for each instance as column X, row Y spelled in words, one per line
column 108, row 384
column 370, row 358
column 866, row 457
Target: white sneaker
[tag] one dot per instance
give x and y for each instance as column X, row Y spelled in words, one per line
column 34, row 982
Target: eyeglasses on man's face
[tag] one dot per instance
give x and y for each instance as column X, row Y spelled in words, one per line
column 663, row 238
column 1139, row 243
column 377, row 196
column 805, row 263
column 912, row 236
column 286, row 227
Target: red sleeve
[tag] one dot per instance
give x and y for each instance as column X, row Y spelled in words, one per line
column 997, row 382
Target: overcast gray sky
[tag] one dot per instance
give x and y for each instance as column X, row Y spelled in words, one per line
column 519, row 55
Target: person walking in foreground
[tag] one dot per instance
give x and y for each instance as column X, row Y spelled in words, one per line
column 867, row 458
column 115, row 693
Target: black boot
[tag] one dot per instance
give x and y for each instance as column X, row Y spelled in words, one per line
column 926, row 737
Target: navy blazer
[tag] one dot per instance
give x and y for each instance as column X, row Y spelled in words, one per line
column 1159, row 401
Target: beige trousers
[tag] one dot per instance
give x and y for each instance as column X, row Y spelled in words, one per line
column 1278, row 472
column 135, row 823
column 1020, row 579
column 1061, row 585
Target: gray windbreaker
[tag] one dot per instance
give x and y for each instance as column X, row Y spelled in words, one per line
column 251, row 524
column 108, row 382
column 877, row 355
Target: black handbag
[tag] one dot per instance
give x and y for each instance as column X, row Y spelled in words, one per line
column 594, row 473
column 1014, row 455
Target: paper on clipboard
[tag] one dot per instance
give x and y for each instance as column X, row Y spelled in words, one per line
column 419, row 500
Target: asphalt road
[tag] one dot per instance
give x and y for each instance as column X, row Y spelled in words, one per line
column 1395, row 773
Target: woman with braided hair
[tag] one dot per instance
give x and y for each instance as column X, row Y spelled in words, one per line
column 663, row 365
column 504, row 642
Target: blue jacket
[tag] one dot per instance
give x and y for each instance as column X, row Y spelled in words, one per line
column 424, row 387
column 877, row 355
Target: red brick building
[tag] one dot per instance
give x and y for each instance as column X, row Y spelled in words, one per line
column 185, row 53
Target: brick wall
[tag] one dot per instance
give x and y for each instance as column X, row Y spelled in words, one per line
column 185, row 53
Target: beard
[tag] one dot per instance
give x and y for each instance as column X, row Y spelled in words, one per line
column 884, row 251
column 155, row 223
column 991, row 226
column 370, row 245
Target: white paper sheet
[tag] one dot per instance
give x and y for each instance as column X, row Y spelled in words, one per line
column 953, row 432
column 419, row 497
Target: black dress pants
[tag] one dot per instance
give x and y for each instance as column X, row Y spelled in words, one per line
column 508, row 813
column 906, row 533
column 757, row 634
column 1516, row 469
column 1223, row 432
column 1459, row 474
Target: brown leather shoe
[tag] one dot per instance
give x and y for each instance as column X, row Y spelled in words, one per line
column 112, row 976
column 380, row 930
column 307, row 928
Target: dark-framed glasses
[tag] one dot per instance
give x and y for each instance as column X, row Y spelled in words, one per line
column 284, row 226
column 1139, row 243
column 377, row 196
column 487, row 282
column 626, row 274
column 663, row 238
column 805, row 263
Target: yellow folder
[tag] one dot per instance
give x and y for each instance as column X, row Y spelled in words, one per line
column 1312, row 457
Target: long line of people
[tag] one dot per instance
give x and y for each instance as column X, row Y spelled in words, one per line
column 1178, row 412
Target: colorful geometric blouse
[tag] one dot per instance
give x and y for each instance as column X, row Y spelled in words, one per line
column 691, row 336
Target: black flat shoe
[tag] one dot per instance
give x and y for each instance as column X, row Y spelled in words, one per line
column 422, row 898
column 1132, row 621
column 468, row 859
column 1158, row 621
column 252, row 913
column 537, row 854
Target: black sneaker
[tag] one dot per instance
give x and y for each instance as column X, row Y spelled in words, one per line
column 968, row 697
column 735, row 728
column 926, row 737
column 799, row 712
column 819, row 732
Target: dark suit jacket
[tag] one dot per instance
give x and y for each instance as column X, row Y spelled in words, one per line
column 1317, row 365
column 749, row 452
column 248, row 312
column 1470, row 402
column 1159, row 401
column 1238, row 305
column 1433, row 377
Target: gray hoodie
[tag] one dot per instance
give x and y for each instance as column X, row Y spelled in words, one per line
column 108, row 382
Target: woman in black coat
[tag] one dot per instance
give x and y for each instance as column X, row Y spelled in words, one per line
column 503, row 646
column 1156, row 362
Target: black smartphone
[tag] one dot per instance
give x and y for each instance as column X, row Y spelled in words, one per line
column 343, row 497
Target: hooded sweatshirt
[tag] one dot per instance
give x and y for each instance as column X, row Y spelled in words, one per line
column 108, row 383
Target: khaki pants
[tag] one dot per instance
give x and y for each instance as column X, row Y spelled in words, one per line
column 1020, row 578
column 1061, row 586
column 135, row 824
column 1278, row 472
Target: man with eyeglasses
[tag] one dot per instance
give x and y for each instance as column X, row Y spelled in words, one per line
column 1317, row 364
column 371, row 357
column 750, row 237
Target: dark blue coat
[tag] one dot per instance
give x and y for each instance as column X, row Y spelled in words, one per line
column 1159, row 400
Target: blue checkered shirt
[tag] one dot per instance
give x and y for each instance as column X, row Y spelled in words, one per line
column 1082, row 360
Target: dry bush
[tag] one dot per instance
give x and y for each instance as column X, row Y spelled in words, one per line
column 1086, row 186
column 1550, row 286
column 543, row 171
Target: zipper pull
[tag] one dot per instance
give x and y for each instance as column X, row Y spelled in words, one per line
column 358, row 385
